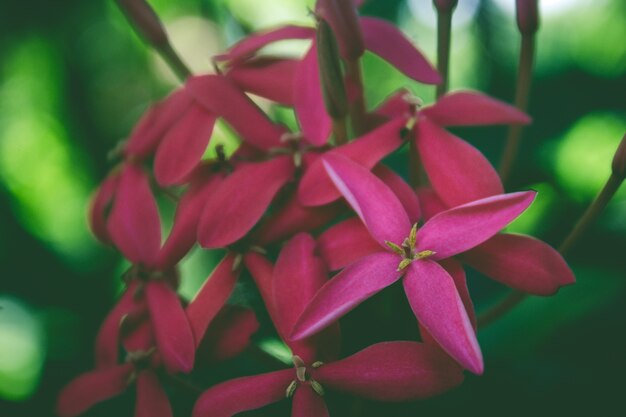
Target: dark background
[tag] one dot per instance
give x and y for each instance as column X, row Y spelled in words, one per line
column 74, row 78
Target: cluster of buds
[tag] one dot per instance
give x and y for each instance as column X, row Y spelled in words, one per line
column 321, row 201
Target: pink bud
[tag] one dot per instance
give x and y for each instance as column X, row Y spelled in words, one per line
column 145, row 20
column 445, row 5
column 527, row 16
column 619, row 160
column 342, row 17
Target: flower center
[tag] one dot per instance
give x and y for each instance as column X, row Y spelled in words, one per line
column 408, row 251
column 303, row 377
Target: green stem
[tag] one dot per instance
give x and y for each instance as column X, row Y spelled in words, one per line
column 357, row 108
column 340, row 131
column 524, row 75
column 174, row 61
column 444, row 29
column 582, row 226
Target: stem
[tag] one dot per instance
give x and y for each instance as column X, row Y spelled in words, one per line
column 357, row 107
column 174, row 61
column 586, row 220
column 524, row 75
column 340, row 131
column 444, row 29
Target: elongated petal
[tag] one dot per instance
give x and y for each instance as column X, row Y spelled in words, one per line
column 464, row 227
column 150, row 129
column 457, row 273
column 211, row 297
column 171, row 328
column 308, row 403
column 243, row 394
column 458, row 172
column 402, row 190
column 134, row 224
column 471, row 108
column 271, row 78
column 346, row 290
column 185, row 228
column 430, row 203
column 395, row 105
column 91, row 388
column 229, row 333
column 101, row 205
column 343, row 19
column 252, row 43
column 345, row 243
column 392, row 371
column 316, row 187
column 221, row 97
column 521, row 262
column 436, row 303
column 182, row 147
column 152, row 400
column 376, row 205
column 261, row 270
column 388, row 42
column 315, row 123
column 240, row 201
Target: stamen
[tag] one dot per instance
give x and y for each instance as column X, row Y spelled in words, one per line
column 291, row 389
column 317, row 387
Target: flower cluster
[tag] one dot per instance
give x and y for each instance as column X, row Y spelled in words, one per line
column 322, row 200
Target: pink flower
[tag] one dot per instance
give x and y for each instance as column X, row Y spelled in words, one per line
column 391, row 371
column 412, row 254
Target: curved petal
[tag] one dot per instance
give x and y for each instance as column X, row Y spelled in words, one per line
column 345, row 243
column 229, row 333
column 458, row 172
column 402, row 190
column 91, row 388
column 240, row 201
column 388, row 42
column 308, row 403
column 457, row 273
column 171, row 328
column 100, row 206
column 436, row 303
column 221, row 97
column 395, row 105
column 211, row 297
column 261, row 271
column 392, row 371
column 182, row 147
column 134, row 224
column 430, row 203
column 255, row 41
column 376, row 205
column 521, row 262
column 315, row 123
column 152, row 400
column 346, row 290
column 464, row 227
column 271, row 78
column 316, row 187
column 471, row 108
column 243, row 394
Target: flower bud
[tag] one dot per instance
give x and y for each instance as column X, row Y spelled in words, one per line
column 331, row 77
column 527, row 16
column 445, row 5
column 619, row 160
column 145, row 20
column 342, row 17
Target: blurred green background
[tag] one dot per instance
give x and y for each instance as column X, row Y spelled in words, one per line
column 74, row 78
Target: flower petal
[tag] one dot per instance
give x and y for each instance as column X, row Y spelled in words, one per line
column 91, row 388
column 308, row 403
column 315, row 123
column 171, row 329
column 464, row 227
column 436, row 303
column 221, row 97
column 211, row 297
column 376, row 205
column 134, row 224
column 463, row 175
column 240, row 201
column 402, row 190
column 346, row 290
column 182, row 147
column 521, row 262
column 243, row 394
column 152, row 400
column 271, row 78
column 344, row 21
column 471, row 108
column 100, row 206
column 388, row 42
column 430, row 203
column 229, row 333
column 316, row 188
column 392, row 371
column 346, row 242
